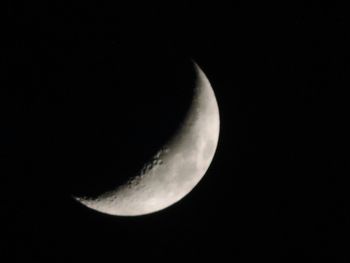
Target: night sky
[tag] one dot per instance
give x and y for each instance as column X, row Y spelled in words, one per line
column 89, row 90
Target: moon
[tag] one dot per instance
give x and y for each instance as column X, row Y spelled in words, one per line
column 176, row 168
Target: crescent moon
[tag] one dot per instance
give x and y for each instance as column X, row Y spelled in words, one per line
column 176, row 168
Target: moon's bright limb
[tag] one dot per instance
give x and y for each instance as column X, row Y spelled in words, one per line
column 176, row 169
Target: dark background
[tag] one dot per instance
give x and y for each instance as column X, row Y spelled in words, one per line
column 89, row 90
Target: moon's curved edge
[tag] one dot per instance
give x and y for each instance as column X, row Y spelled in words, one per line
column 95, row 204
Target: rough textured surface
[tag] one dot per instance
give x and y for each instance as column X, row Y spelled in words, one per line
column 176, row 169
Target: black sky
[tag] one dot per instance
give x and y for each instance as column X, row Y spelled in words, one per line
column 91, row 89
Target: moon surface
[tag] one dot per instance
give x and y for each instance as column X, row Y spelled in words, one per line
column 176, row 168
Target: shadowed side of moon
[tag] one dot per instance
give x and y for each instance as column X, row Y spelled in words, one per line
column 176, row 168
column 112, row 122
